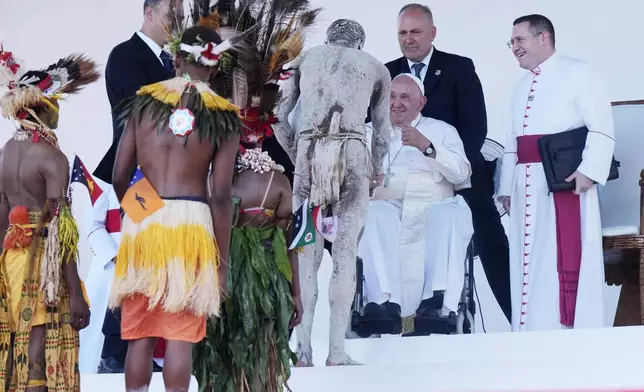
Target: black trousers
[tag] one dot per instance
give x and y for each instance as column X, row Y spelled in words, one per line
column 490, row 240
column 113, row 346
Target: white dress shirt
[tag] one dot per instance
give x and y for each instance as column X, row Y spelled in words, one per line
column 156, row 49
column 425, row 61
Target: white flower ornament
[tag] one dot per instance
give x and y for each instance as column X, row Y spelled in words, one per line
column 182, row 122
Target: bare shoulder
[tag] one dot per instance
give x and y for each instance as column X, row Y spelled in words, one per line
column 316, row 50
column 381, row 70
column 378, row 69
column 142, row 123
column 281, row 181
column 381, row 77
column 48, row 153
column 53, row 158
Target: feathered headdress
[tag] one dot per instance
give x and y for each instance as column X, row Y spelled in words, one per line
column 30, row 88
column 209, row 54
column 11, row 68
column 203, row 110
column 273, row 31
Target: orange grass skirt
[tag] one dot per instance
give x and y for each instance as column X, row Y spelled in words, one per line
column 137, row 322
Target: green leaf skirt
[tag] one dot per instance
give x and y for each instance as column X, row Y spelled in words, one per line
column 247, row 348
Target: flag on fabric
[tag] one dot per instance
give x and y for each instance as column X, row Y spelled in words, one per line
column 141, row 199
column 303, row 232
column 82, row 176
column 324, row 224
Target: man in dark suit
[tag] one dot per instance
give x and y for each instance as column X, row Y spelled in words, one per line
column 136, row 62
column 454, row 95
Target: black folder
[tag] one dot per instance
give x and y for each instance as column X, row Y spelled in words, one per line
column 561, row 155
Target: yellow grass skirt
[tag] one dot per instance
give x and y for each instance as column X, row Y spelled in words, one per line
column 171, row 257
column 15, row 263
column 22, row 308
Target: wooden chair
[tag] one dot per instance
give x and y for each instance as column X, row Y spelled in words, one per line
column 624, row 257
column 624, row 245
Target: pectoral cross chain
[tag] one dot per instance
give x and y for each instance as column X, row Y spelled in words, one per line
column 388, row 175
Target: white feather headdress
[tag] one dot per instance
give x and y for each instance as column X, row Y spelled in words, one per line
column 11, row 68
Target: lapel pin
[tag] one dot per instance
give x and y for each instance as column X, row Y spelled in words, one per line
column 438, row 72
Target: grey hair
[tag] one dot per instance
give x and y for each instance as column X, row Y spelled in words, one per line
column 151, row 3
column 421, row 7
column 346, row 32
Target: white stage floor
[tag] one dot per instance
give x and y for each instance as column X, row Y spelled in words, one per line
column 573, row 345
column 608, row 359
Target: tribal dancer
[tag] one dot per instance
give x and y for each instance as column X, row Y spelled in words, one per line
column 247, row 343
column 337, row 82
column 170, row 258
column 42, row 300
column 253, row 340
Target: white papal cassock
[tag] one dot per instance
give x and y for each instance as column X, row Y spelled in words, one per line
column 104, row 234
column 559, row 95
column 417, row 231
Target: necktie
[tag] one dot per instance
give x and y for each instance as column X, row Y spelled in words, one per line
column 167, row 61
column 417, row 68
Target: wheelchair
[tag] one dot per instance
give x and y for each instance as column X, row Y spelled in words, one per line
column 463, row 323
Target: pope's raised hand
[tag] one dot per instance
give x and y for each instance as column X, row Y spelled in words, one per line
column 412, row 137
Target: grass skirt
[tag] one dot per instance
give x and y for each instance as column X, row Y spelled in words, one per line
column 20, row 272
column 247, row 348
column 170, row 257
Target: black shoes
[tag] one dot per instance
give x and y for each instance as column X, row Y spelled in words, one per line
column 110, row 365
column 113, row 365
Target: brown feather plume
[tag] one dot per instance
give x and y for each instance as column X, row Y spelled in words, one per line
column 279, row 28
column 74, row 72
column 267, row 34
column 211, row 21
column 69, row 75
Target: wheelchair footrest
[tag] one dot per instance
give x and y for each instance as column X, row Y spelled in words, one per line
column 367, row 326
column 433, row 325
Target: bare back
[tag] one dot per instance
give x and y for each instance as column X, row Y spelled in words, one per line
column 334, row 76
column 25, row 170
column 258, row 190
column 173, row 166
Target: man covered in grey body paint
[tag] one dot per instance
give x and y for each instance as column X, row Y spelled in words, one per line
column 337, row 82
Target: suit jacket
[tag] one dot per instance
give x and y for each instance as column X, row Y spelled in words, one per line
column 130, row 65
column 455, row 95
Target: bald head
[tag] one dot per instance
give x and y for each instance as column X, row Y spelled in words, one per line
column 416, row 31
column 346, row 32
column 407, row 99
